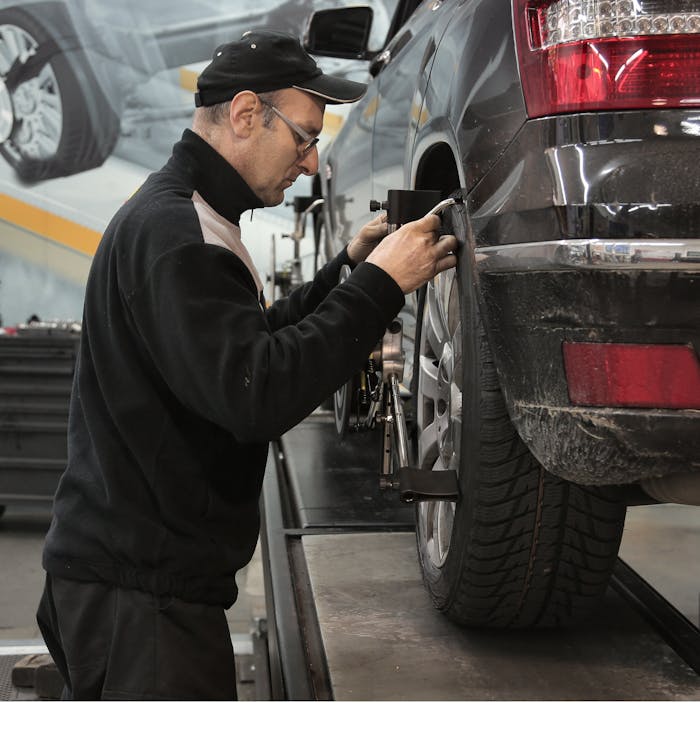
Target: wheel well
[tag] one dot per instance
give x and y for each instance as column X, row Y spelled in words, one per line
column 438, row 171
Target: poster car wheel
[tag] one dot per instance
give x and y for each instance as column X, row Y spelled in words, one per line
column 54, row 118
column 521, row 547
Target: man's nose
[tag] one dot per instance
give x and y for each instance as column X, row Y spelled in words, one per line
column 309, row 164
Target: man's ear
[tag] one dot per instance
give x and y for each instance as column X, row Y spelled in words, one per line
column 243, row 113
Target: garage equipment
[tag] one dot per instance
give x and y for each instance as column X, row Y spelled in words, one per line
column 36, row 372
column 290, row 276
column 376, row 391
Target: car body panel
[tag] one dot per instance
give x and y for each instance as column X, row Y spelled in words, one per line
column 611, row 176
column 473, row 101
column 619, row 177
column 401, row 83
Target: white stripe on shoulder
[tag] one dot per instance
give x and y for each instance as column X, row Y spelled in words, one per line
column 218, row 231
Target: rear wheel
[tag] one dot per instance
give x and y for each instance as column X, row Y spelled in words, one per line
column 54, row 118
column 521, row 547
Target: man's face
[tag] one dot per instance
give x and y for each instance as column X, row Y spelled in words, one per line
column 277, row 149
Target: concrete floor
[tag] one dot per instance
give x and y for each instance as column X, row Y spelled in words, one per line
column 384, row 640
column 661, row 542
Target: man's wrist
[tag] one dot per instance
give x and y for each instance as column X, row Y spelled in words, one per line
column 353, row 252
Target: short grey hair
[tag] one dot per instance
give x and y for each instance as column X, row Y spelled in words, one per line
column 216, row 113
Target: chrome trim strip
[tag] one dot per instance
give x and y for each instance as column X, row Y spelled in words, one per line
column 592, row 253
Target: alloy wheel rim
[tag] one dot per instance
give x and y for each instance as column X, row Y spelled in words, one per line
column 439, row 406
column 33, row 112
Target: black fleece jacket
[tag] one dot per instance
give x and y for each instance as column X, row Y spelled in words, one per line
column 183, row 378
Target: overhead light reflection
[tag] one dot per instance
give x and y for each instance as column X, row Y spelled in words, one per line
column 630, row 64
column 691, row 126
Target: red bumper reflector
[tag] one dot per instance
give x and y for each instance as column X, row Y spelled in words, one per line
column 641, row 376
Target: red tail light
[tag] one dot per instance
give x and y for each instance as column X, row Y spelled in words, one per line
column 643, row 376
column 578, row 55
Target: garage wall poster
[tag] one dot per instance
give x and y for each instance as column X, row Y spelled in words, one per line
column 93, row 94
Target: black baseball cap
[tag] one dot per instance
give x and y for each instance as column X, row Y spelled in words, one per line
column 264, row 60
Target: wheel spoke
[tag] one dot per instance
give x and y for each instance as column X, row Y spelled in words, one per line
column 427, row 400
column 10, row 37
column 6, row 57
column 428, row 378
column 44, row 145
column 428, row 446
column 51, row 121
column 429, row 524
column 445, row 285
column 436, row 333
column 443, row 462
column 16, row 45
column 435, row 521
column 445, row 519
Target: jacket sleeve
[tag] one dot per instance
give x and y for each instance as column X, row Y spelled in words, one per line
column 210, row 340
column 306, row 298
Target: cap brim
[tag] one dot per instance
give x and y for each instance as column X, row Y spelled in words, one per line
column 333, row 89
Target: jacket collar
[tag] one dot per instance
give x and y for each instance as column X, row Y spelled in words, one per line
column 214, row 178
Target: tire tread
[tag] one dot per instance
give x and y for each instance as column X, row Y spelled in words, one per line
column 528, row 548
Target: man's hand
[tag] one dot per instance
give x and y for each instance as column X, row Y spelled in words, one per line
column 368, row 237
column 413, row 254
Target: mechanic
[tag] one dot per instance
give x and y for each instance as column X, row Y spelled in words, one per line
column 184, row 376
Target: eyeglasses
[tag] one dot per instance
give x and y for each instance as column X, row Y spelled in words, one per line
column 307, row 140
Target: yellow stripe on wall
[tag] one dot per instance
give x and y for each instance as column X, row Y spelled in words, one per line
column 188, row 78
column 48, row 225
column 332, row 123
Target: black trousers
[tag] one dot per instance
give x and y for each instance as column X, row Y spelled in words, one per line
column 112, row 643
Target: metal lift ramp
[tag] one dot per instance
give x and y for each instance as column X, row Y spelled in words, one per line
column 349, row 619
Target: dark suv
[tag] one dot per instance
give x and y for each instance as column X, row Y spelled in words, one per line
column 556, row 370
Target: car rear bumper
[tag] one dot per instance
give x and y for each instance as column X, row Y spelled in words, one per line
column 587, row 230
column 536, row 297
column 593, row 254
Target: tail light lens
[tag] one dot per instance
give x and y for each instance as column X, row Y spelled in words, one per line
column 627, row 375
column 578, row 55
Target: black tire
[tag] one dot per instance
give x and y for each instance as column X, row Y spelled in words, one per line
column 2, row 510
column 83, row 129
column 521, row 547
